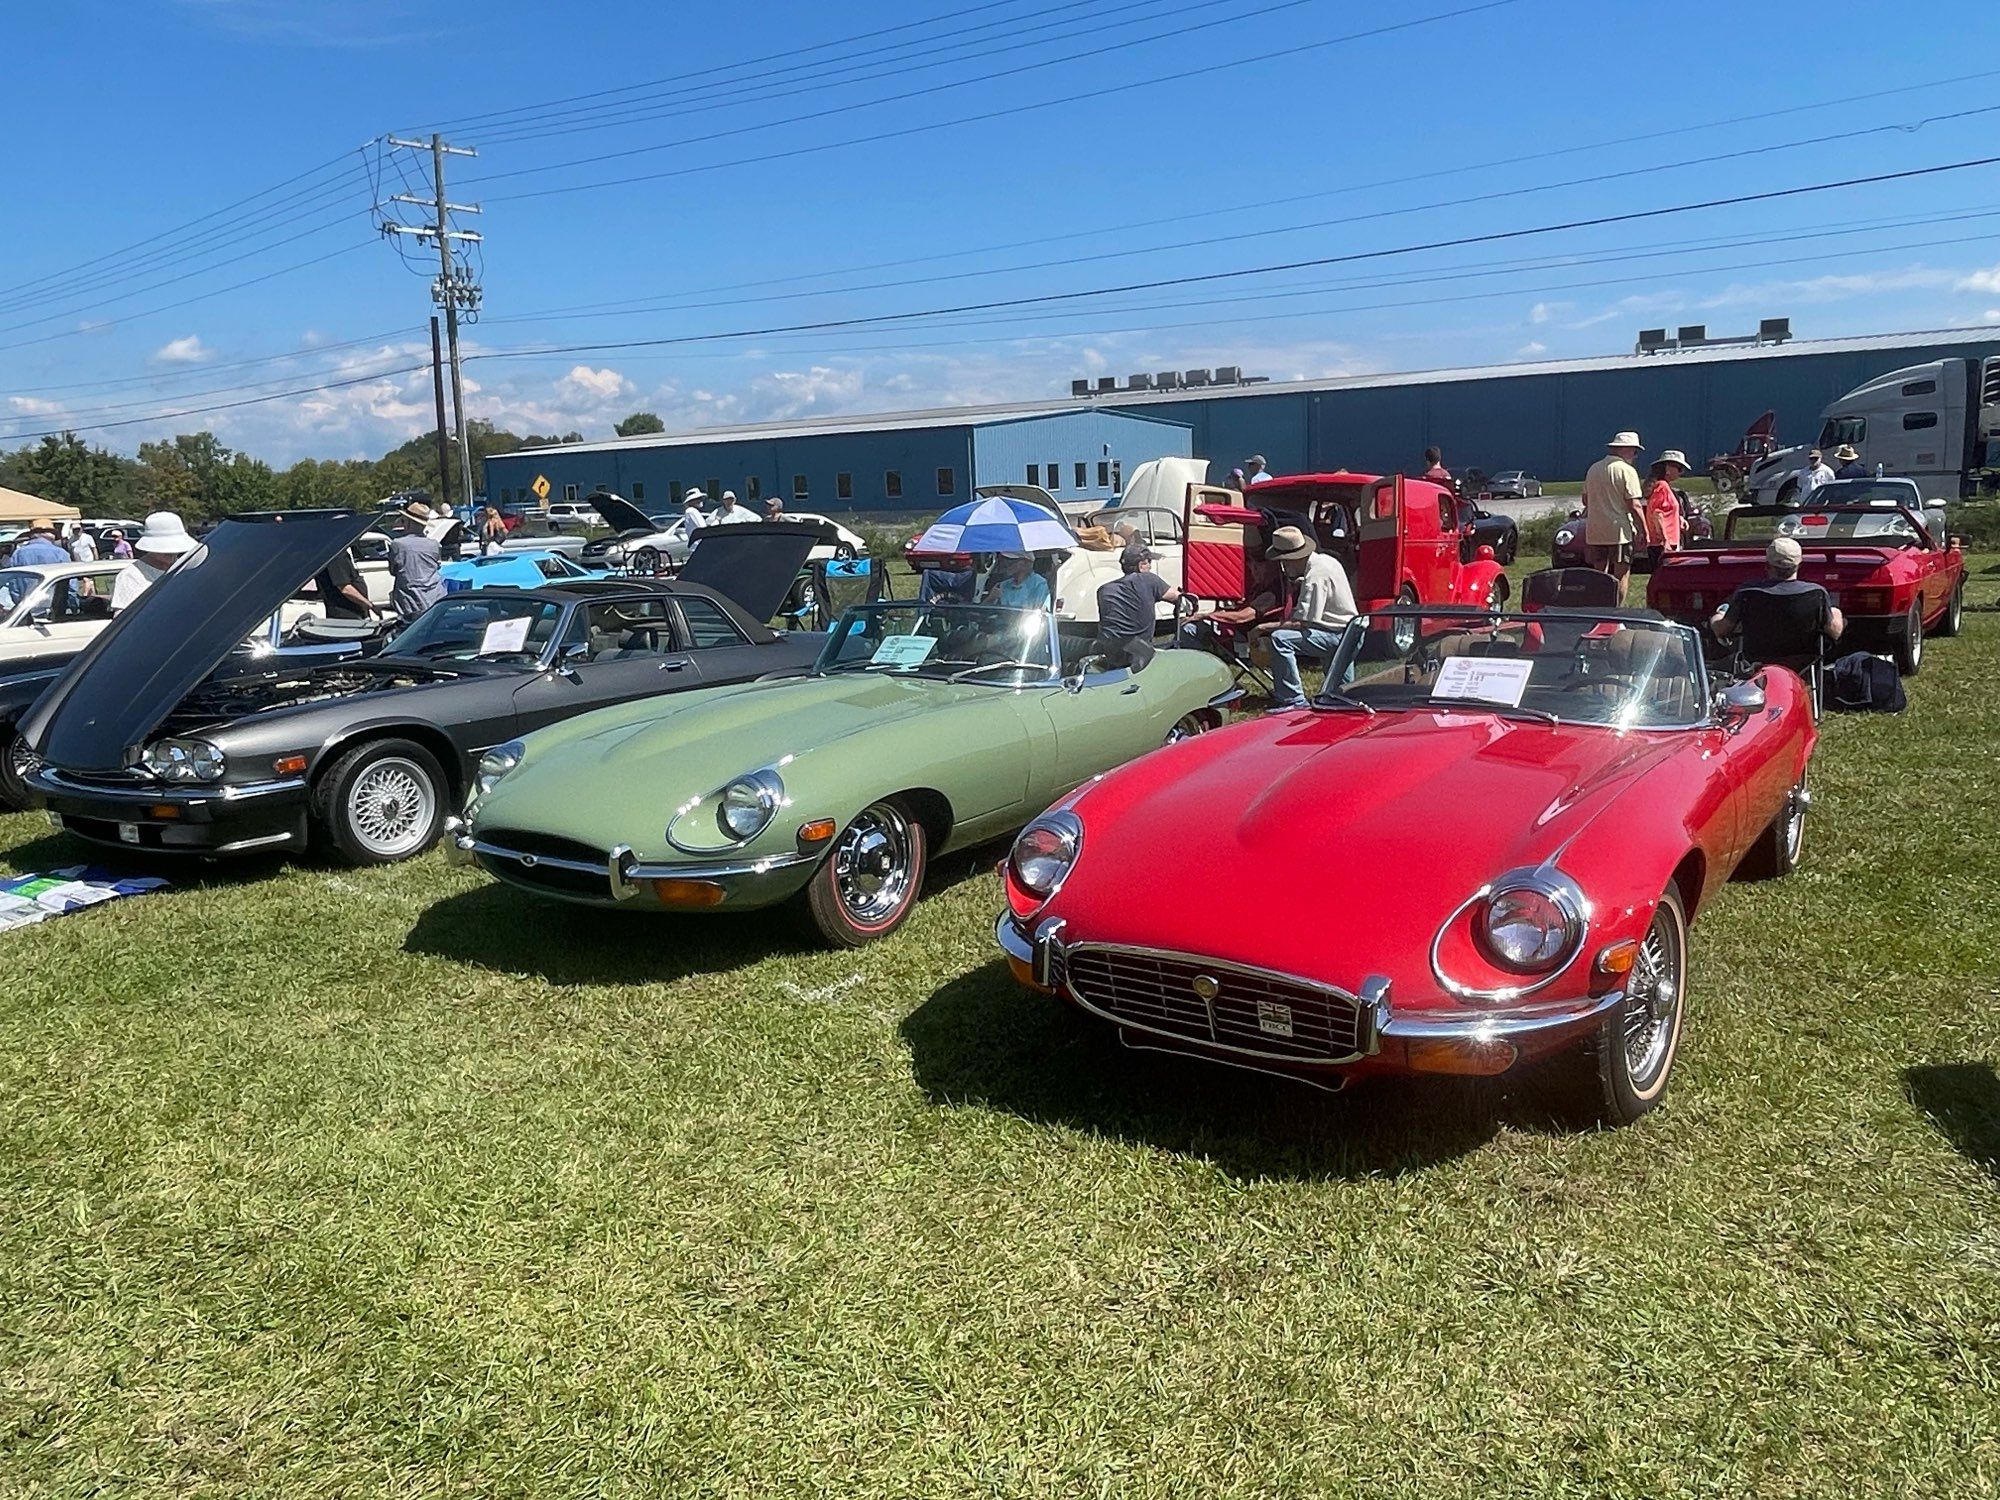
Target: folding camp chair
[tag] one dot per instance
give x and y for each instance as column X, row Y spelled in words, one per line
column 1783, row 629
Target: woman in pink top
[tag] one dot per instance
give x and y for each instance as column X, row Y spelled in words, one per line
column 1663, row 506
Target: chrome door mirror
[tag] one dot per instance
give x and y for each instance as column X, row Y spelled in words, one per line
column 1739, row 700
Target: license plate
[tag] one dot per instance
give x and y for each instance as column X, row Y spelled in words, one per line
column 1273, row 1018
column 129, row 832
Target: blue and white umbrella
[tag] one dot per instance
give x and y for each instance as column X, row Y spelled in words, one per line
column 998, row 524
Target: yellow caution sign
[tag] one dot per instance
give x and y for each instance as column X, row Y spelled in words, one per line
column 540, row 486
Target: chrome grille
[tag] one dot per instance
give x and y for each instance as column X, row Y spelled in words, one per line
column 1225, row 1005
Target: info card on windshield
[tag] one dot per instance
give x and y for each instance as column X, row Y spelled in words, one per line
column 904, row 650
column 504, row 637
column 1488, row 679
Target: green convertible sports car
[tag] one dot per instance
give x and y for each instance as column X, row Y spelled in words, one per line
column 922, row 728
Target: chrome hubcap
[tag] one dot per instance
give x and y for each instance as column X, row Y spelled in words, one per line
column 1652, row 1003
column 1795, row 820
column 871, row 865
column 391, row 807
column 1186, row 729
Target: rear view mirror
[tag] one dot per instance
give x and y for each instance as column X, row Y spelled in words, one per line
column 1739, row 700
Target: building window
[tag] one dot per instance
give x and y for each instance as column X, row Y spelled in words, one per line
column 798, row 486
column 1055, row 476
column 715, row 489
column 1117, row 476
column 947, row 481
column 638, row 490
column 753, row 487
column 1083, row 476
column 1103, row 474
column 675, row 489
column 843, row 486
column 1034, row 473
column 569, row 492
column 892, row 483
column 1917, row 421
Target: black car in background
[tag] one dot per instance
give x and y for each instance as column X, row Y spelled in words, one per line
column 140, row 747
column 1486, row 528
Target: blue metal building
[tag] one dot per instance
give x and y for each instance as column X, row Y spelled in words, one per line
column 1550, row 418
column 917, row 461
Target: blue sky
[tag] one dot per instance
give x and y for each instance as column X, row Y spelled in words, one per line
column 1116, row 152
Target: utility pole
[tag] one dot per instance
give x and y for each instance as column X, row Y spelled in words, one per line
column 454, row 288
column 444, row 445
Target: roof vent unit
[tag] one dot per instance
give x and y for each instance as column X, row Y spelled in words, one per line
column 1774, row 330
column 1167, row 380
column 1653, row 340
column 1107, row 383
column 1229, row 374
column 1194, row 378
column 1140, row 382
column 1079, row 387
column 1692, row 333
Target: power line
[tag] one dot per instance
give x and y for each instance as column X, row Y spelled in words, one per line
column 202, row 411
column 1010, row 111
column 203, row 371
column 1493, row 237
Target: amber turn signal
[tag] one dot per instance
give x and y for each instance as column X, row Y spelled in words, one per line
column 164, row 810
column 1617, row 958
column 289, row 765
column 1480, row 1057
column 693, row 893
column 818, row 831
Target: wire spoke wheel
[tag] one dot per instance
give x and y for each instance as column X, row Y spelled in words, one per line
column 874, row 865
column 390, row 808
column 1186, row 728
column 1653, row 1002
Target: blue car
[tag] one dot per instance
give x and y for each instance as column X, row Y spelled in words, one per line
column 514, row 570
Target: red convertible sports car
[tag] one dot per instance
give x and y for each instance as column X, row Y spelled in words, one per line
column 1481, row 852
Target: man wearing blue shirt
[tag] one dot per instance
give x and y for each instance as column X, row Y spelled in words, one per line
column 1016, row 584
column 40, row 548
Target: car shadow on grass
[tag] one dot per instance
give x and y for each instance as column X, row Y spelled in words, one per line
column 1963, row 1101
column 495, row 927
column 61, row 851
column 983, row 1042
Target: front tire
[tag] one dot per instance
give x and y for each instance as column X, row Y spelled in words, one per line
column 381, row 802
column 1954, row 613
column 1188, row 726
column 1910, row 649
column 646, row 560
column 870, row 878
column 1621, row 1072
column 1779, row 847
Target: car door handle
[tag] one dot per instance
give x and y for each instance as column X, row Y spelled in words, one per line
column 673, row 666
column 1130, row 687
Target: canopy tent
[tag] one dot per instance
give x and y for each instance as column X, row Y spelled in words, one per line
column 17, row 507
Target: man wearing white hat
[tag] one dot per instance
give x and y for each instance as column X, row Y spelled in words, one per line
column 730, row 513
column 161, row 543
column 1614, row 509
column 692, row 514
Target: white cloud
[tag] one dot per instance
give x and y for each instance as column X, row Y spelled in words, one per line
column 1532, row 348
column 1981, row 281
column 1993, row 314
column 1541, row 312
column 600, row 385
column 183, row 351
column 34, row 406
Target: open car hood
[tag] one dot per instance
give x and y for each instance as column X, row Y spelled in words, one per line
column 620, row 514
column 143, row 663
column 754, row 564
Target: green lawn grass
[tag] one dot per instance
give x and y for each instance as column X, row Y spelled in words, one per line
column 324, row 1183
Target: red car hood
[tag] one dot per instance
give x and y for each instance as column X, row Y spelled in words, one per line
column 1334, row 845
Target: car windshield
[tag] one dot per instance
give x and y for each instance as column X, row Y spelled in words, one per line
column 1866, row 492
column 15, row 585
column 480, row 627
column 1565, row 667
column 1812, row 524
column 973, row 642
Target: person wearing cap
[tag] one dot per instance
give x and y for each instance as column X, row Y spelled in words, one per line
column 730, row 513
column 82, row 546
column 774, row 509
column 1782, row 558
column 1236, row 481
column 1127, row 609
column 1851, row 466
column 162, row 542
column 416, row 579
column 1614, row 509
column 1816, row 474
column 1320, row 612
column 1255, row 470
column 693, row 514
column 40, row 548
column 120, row 548
column 1434, row 469
column 1663, row 503
column 1015, row 584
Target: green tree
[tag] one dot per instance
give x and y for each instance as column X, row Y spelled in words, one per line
column 639, row 422
column 197, row 473
column 67, row 470
column 329, row 484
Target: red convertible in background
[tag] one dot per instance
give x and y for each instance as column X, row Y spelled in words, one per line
column 1399, row 539
column 1878, row 551
column 1482, row 852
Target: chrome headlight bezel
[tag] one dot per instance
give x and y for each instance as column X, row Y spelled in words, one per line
column 495, row 765
column 745, row 807
column 184, row 762
column 1531, row 922
column 1045, row 852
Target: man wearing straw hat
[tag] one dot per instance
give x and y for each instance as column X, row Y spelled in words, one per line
column 1324, row 605
column 161, row 543
column 1614, row 509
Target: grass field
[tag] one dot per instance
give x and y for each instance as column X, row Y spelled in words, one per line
column 390, row 1182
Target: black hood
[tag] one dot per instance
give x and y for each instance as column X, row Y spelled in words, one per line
column 99, row 712
column 619, row 513
column 754, row 564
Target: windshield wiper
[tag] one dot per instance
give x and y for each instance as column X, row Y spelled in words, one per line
column 1329, row 699
column 996, row 666
column 1434, row 701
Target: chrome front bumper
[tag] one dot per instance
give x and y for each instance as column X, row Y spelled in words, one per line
column 626, row 878
column 1042, row 953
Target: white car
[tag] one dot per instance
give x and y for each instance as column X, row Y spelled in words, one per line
column 573, row 515
column 49, row 608
column 851, row 543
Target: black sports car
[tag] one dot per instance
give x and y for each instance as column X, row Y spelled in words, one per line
column 1487, row 528
column 140, row 747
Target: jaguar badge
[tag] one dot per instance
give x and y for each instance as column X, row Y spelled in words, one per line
column 1206, row 986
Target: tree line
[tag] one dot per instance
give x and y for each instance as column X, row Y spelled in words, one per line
column 200, row 476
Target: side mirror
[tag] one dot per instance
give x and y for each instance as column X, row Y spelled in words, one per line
column 1073, row 684
column 1739, row 700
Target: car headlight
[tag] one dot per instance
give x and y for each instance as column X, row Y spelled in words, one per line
column 1532, row 922
column 1045, row 852
column 1565, row 535
column 184, row 761
column 748, row 804
column 615, row 552
column 496, row 763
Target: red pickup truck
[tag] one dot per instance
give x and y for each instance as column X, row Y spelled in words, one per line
column 1878, row 551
